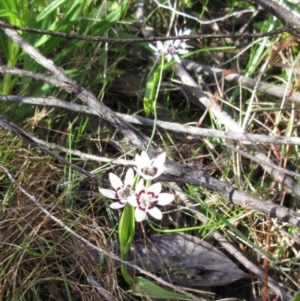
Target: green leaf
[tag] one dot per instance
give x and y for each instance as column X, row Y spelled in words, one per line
column 51, row 8
column 150, row 91
column 126, row 234
column 10, row 14
column 296, row 297
column 100, row 28
column 145, row 287
column 149, row 95
column 126, row 228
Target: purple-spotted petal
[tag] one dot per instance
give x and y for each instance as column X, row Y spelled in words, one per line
column 155, row 188
column 115, row 181
column 150, row 169
column 140, row 215
column 122, row 192
column 111, row 194
column 165, row 199
column 117, row 205
column 155, row 212
column 140, row 186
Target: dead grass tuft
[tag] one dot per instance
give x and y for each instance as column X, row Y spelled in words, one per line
column 39, row 259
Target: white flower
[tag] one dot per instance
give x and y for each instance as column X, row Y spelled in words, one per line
column 160, row 49
column 172, row 51
column 146, row 199
column 122, row 191
column 150, row 169
column 169, row 49
column 179, row 42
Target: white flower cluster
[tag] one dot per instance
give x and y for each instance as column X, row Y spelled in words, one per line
column 170, row 49
column 143, row 198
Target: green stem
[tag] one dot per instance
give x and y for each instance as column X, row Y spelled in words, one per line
column 155, row 101
column 126, row 235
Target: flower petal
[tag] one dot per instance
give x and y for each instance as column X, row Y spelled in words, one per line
column 177, row 59
column 129, row 178
column 159, row 160
column 177, row 43
column 165, row 199
column 160, row 46
column 132, row 201
column 140, row 186
column 117, row 205
column 186, row 32
column 169, row 57
column 141, row 161
column 111, row 194
column 176, row 32
column 147, row 177
column 140, row 215
column 159, row 163
column 155, row 212
column 153, row 47
column 145, row 158
column 183, row 51
column 155, row 189
column 115, row 181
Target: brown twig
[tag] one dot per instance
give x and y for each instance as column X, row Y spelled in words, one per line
column 266, row 262
column 69, row 36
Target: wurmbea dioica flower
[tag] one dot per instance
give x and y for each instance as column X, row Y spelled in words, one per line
column 171, row 49
column 146, row 199
column 159, row 49
column 143, row 198
column 150, row 169
column 122, row 191
column 181, row 43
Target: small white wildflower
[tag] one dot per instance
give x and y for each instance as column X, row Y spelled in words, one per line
column 179, row 42
column 122, row 191
column 169, row 49
column 172, row 51
column 150, row 169
column 159, row 49
column 146, row 199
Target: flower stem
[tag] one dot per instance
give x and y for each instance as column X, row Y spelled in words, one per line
column 126, row 235
column 155, row 101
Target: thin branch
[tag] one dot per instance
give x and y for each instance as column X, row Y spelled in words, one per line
column 69, row 36
column 171, row 126
column 38, row 76
column 235, row 196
